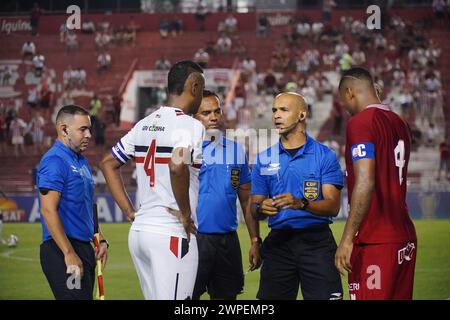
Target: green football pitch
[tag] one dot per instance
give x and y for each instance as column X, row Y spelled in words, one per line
column 21, row 276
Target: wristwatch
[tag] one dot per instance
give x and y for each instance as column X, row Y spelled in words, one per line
column 257, row 240
column 105, row 241
column 305, row 203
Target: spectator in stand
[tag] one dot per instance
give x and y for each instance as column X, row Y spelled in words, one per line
column 248, row 67
column 162, row 63
column 303, row 29
column 34, row 18
column 230, row 24
column 444, row 150
column 17, row 128
column 359, row 57
column 223, row 44
column 36, row 127
column 45, row 100
column 439, row 7
column 346, row 62
column 132, row 29
column 88, row 27
column 95, row 114
column 432, row 135
column 28, row 50
column 405, row 99
column 238, row 48
column 176, row 27
column 164, row 28
column 200, row 14
column 5, row 75
column 71, row 42
column 67, row 78
column 317, row 29
column 33, row 98
column 327, row 10
column 340, row 49
column 38, row 64
column 433, row 91
column 263, row 27
column 63, row 31
column 103, row 62
column 270, row 82
column 3, row 135
column 79, row 77
column 201, row 57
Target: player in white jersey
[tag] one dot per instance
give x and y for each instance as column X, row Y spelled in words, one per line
column 166, row 146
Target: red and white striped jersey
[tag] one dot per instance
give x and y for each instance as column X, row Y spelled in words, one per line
column 151, row 142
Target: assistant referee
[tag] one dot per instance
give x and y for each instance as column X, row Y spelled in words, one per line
column 66, row 191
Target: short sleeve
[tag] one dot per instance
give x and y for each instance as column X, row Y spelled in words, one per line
column 259, row 184
column 124, row 150
column 331, row 170
column 52, row 174
column 188, row 134
column 246, row 175
column 360, row 138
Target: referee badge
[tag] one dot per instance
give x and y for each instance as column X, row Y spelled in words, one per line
column 235, row 177
column 311, row 189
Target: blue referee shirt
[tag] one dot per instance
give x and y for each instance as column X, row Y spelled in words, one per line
column 302, row 175
column 64, row 171
column 224, row 169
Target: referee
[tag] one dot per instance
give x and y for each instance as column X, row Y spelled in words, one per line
column 299, row 190
column 66, row 191
column 224, row 176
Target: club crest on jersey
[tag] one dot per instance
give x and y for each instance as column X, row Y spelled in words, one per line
column 311, row 189
column 235, row 177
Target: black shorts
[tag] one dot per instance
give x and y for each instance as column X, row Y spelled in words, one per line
column 220, row 270
column 54, row 267
column 299, row 257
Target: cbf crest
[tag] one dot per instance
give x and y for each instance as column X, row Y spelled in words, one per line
column 311, row 189
column 235, row 177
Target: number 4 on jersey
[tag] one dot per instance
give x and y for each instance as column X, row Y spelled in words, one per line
column 399, row 153
column 149, row 163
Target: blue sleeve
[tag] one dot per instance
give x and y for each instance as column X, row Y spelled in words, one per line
column 331, row 170
column 259, row 184
column 246, row 175
column 52, row 174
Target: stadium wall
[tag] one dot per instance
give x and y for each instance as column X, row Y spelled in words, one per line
column 25, row 208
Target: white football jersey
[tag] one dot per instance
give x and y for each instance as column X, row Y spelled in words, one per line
column 150, row 143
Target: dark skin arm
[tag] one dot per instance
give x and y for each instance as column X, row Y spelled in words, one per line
column 111, row 170
column 329, row 206
column 252, row 226
column 179, row 180
column 364, row 170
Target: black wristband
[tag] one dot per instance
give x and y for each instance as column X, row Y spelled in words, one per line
column 105, row 241
column 305, row 203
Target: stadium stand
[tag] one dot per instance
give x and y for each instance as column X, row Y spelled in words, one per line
column 251, row 99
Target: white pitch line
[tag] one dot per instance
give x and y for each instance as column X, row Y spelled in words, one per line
column 8, row 255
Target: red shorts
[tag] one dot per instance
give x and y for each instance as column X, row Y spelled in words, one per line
column 382, row 271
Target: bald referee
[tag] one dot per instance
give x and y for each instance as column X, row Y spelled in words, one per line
column 299, row 193
column 66, row 191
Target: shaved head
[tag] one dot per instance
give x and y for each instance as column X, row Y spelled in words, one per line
column 357, row 78
column 292, row 99
column 357, row 90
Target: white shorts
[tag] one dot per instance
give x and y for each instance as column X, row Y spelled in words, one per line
column 17, row 140
column 166, row 265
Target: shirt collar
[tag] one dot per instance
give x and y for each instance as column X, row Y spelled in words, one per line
column 61, row 146
column 379, row 106
column 307, row 148
column 222, row 142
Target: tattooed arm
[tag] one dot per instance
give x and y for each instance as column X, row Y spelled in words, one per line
column 364, row 170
